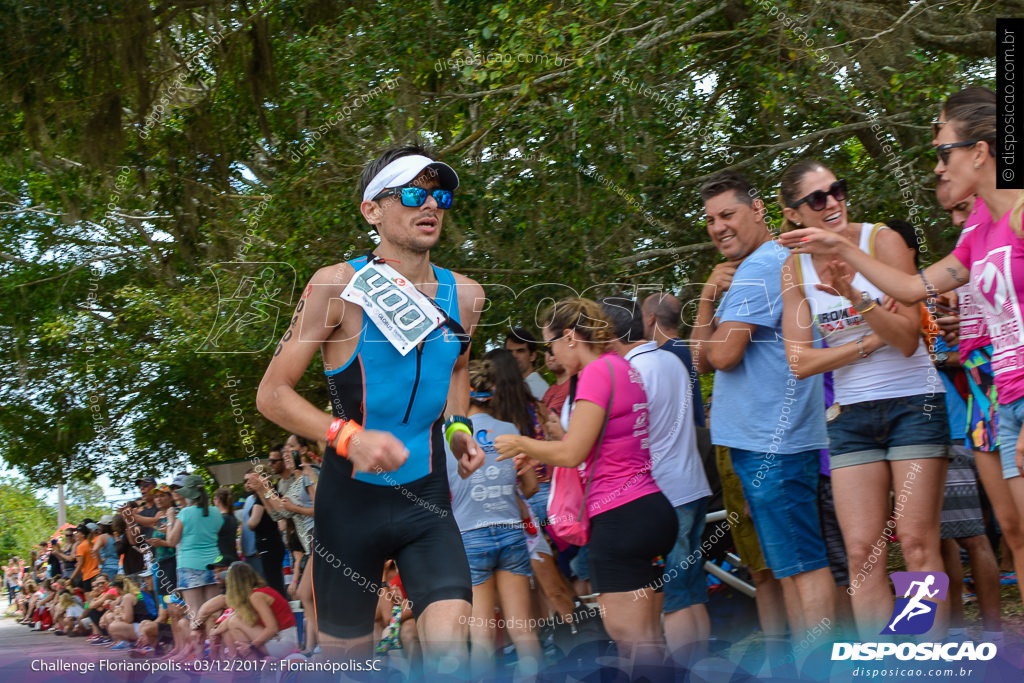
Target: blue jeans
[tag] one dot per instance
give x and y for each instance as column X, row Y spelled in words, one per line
column 493, row 548
column 685, row 584
column 195, row 578
column 539, row 501
column 782, row 492
column 905, row 428
column 1011, row 417
column 580, row 565
column 256, row 562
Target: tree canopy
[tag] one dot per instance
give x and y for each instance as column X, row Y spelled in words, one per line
column 172, row 173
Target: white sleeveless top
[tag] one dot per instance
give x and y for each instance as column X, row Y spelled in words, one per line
column 886, row 373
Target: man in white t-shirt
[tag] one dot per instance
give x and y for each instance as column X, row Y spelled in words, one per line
column 678, row 470
column 523, row 345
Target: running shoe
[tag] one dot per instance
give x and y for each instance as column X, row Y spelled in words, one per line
column 101, row 640
column 122, row 645
column 142, row 652
column 1008, row 578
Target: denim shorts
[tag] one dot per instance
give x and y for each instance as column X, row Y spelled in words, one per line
column 685, row 584
column 1011, row 417
column 194, row 578
column 905, row 428
column 579, row 564
column 782, row 492
column 538, row 502
column 493, row 548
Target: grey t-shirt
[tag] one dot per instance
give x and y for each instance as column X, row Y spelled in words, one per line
column 538, row 386
column 297, row 488
column 488, row 496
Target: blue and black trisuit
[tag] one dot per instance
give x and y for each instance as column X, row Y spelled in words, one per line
column 363, row 519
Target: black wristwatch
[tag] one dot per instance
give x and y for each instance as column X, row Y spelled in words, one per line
column 456, row 423
column 940, row 359
column 457, row 418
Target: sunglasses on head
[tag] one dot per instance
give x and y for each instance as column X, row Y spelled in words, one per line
column 818, row 199
column 415, row 196
column 944, row 150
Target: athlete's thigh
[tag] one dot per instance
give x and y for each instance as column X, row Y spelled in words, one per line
column 432, row 562
column 348, row 563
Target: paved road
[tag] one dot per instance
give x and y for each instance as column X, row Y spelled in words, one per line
column 17, row 641
column 38, row 657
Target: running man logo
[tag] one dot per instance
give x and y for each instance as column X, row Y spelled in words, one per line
column 914, row 613
column 250, row 300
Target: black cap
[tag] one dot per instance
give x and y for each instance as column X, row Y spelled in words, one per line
column 221, row 563
column 145, row 480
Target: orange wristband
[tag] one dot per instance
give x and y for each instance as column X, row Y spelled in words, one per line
column 350, row 429
column 332, row 431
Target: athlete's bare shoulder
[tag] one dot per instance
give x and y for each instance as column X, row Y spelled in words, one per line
column 471, row 299
column 322, row 306
column 333, row 279
column 466, row 281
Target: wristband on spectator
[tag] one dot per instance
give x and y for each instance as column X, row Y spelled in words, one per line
column 456, row 423
column 350, row 429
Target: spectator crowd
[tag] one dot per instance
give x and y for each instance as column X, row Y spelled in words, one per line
column 164, row 576
column 857, row 400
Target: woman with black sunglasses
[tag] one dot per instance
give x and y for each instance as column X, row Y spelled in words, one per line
column 989, row 256
column 631, row 520
column 888, row 429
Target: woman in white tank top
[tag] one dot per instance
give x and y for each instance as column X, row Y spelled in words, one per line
column 888, row 431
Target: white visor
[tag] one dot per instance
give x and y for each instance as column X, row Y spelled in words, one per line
column 404, row 170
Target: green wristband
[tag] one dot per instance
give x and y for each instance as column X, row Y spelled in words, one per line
column 455, row 427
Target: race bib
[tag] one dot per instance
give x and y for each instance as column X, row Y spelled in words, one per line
column 402, row 313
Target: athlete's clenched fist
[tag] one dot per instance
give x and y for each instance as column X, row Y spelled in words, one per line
column 375, row 451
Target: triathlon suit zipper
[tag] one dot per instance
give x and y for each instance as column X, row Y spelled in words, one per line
column 416, row 382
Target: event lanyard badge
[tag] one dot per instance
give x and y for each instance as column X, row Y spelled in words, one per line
column 402, row 313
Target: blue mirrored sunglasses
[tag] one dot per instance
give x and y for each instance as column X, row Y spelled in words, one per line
column 416, row 196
